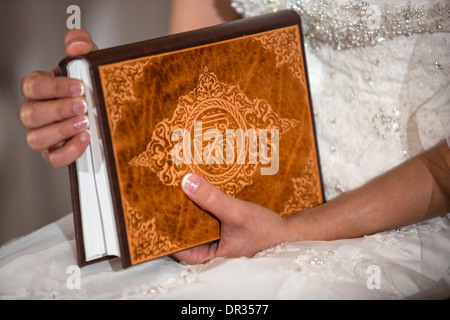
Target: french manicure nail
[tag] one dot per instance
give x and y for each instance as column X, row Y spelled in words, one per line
column 190, row 183
column 76, row 42
column 81, row 123
column 77, row 89
column 80, row 107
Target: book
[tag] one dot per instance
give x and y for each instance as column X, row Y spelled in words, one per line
column 229, row 102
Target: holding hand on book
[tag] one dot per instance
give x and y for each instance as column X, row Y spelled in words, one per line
column 416, row 190
column 54, row 110
column 246, row 228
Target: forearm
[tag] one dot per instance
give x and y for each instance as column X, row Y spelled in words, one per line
column 410, row 193
column 194, row 14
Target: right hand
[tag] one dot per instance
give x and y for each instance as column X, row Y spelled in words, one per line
column 245, row 227
column 54, row 110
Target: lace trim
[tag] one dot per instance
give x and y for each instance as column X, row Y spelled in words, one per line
column 348, row 24
column 148, row 291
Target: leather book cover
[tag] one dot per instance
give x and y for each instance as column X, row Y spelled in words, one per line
column 229, row 102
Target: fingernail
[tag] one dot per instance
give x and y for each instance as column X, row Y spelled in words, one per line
column 77, row 89
column 80, row 107
column 81, row 123
column 84, row 136
column 76, row 42
column 190, row 183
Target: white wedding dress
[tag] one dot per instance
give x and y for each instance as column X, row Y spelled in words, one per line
column 379, row 76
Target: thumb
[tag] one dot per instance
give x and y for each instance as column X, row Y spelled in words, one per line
column 78, row 42
column 209, row 197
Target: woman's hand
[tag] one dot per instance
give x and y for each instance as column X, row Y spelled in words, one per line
column 54, row 109
column 246, row 228
column 414, row 191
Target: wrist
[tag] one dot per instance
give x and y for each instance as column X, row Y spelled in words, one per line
column 296, row 228
column 308, row 225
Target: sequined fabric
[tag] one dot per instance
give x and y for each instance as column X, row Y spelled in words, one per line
column 379, row 77
column 348, row 24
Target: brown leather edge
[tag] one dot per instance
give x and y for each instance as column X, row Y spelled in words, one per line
column 221, row 32
column 311, row 110
column 76, row 214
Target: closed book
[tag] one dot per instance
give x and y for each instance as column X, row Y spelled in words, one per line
column 229, row 102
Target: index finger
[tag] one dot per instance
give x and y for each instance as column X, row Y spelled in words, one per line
column 42, row 85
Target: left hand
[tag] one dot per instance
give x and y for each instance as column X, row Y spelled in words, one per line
column 246, row 228
column 54, row 108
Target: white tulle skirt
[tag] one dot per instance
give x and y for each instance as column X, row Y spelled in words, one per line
column 411, row 262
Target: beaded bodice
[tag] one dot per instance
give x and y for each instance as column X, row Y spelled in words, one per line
column 379, row 77
column 346, row 24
